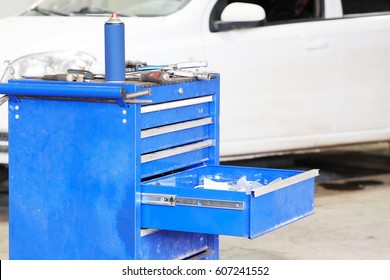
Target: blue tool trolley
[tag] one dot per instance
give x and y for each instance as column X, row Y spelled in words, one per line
column 99, row 172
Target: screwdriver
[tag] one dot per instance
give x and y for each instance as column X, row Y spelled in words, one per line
column 158, row 77
column 59, row 77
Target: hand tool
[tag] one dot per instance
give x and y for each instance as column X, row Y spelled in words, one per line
column 131, row 97
column 132, row 64
column 182, row 65
column 71, row 75
column 4, row 99
column 57, row 77
column 136, row 69
column 192, row 74
column 84, row 74
column 158, row 77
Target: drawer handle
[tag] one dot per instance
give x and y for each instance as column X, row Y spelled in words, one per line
column 174, row 127
column 173, row 200
column 286, row 182
column 176, row 151
column 176, row 104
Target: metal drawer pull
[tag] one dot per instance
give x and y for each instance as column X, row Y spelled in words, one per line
column 286, row 182
column 176, row 104
column 175, row 127
column 176, row 151
column 173, row 200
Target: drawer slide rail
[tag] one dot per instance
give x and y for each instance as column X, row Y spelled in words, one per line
column 173, row 200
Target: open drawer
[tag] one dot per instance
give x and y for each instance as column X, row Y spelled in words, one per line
column 180, row 202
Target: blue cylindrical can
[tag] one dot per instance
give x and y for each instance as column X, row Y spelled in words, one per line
column 114, row 46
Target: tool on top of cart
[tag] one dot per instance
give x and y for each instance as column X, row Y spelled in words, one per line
column 139, row 71
column 163, row 73
column 137, row 66
column 159, row 77
column 3, row 99
column 71, row 75
column 82, row 75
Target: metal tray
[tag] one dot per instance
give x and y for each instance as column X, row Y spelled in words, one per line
column 178, row 202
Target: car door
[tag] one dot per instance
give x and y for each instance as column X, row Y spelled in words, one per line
column 278, row 82
column 362, row 37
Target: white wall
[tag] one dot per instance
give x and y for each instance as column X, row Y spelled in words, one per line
column 13, row 7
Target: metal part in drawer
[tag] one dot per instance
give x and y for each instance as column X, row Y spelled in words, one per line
column 174, row 203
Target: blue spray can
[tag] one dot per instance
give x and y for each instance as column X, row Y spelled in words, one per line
column 114, row 46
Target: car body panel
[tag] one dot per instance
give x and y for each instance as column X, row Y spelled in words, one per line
column 284, row 87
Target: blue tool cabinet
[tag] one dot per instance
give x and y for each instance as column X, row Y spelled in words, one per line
column 96, row 172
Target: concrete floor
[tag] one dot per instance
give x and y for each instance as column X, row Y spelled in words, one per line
column 349, row 224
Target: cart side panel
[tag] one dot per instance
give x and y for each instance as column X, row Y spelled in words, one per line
column 72, row 181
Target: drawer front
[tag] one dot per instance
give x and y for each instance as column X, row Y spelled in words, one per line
column 181, row 91
column 196, row 245
column 175, row 135
column 175, row 112
column 172, row 202
column 178, row 134
column 281, row 207
column 173, row 159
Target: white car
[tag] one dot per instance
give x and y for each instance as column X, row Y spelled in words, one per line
column 295, row 75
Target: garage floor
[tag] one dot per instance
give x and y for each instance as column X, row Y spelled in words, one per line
column 348, row 224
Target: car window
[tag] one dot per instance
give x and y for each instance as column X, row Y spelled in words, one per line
column 351, row 7
column 278, row 11
column 124, row 8
column 291, row 10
